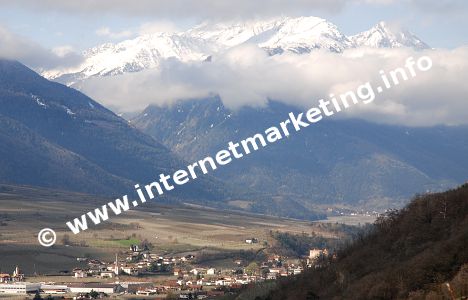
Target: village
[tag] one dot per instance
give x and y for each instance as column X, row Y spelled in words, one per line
column 142, row 273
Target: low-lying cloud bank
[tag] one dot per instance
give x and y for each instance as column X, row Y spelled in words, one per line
column 33, row 55
column 246, row 75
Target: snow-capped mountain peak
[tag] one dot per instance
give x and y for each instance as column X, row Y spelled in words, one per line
column 383, row 35
column 288, row 34
column 144, row 52
column 301, row 35
column 284, row 34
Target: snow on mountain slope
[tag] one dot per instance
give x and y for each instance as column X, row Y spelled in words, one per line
column 227, row 35
column 143, row 52
column 298, row 35
column 302, row 35
column 382, row 36
column 285, row 34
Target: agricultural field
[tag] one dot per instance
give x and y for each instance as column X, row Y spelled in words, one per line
column 168, row 229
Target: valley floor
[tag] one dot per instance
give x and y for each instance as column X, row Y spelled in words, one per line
column 169, row 230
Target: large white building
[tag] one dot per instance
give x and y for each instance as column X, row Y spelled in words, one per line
column 22, row 288
column 54, row 289
column 97, row 287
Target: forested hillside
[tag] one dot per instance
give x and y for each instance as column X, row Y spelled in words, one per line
column 337, row 161
column 420, row 252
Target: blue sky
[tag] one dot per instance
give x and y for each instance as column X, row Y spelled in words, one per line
column 438, row 28
column 441, row 24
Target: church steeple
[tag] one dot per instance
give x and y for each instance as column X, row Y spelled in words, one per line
column 116, row 265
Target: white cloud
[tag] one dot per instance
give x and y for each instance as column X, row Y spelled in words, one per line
column 434, row 6
column 63, row 51
column 158, row 26
column 32, row 54
column 107, row 32
column 199, row 9
column 247, row 76
column 216, row 9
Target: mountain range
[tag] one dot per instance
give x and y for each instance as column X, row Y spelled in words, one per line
column 205, row 41
column 340, row 162
column 55, row 136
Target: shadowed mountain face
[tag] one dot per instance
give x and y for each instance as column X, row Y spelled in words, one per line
column 55, row 136
column 331, row 162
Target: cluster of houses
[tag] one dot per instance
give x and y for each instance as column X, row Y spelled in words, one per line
column 184, row 277
column 197, row 281
column 16, row 276
column 137, row 262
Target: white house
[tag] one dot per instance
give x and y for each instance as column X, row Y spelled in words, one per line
column 79, row 273
column 211, row 271
column 198, row 271
column 223, row 281
column 5, row 277
column 316, row 253
column 242, row 281
column 251, row 241
column 275, row 270
column 297, row 270
column 129, row 270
